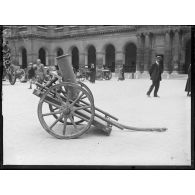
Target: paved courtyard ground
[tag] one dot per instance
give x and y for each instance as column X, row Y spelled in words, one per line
column 27, row 143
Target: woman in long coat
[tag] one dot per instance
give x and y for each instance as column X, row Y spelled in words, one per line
column 188, row 83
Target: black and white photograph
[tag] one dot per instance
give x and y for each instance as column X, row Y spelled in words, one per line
column 97, row 95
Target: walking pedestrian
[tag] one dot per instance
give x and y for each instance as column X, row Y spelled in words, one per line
column 155, row 75
column 188, row 83
column 93, row 73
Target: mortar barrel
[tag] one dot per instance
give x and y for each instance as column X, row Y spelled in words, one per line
column 66, row 68
column 67, row 74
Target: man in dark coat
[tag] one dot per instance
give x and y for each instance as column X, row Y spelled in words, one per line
column 155, row 75
column 188, row 83
column 93, row 73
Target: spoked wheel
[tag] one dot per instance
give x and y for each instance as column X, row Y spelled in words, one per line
column 70, row 103
column 12, row 75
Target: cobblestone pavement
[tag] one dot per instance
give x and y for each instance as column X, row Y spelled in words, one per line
column 26, row 142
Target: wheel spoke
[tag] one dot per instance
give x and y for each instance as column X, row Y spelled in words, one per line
column 52, row 113
column 81, row 117
column 65, row 123
column 53, row 109
column 83, row 97
column 55, row 122
column 82, row 107
column 72, row 121
column 58, row 96
column 51, row 103
column 77, row 99
column 67, row 95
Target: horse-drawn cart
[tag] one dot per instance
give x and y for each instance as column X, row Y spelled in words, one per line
column 66, row 109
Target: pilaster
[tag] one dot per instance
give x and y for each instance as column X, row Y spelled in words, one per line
column 176, row 51
column 100, row 59
column 82, row 59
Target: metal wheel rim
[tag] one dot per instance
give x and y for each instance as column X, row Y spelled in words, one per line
column 49, row 129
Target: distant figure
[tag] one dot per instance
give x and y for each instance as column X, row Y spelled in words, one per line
column 188, row 83
column 121, row 73
column 31, row 74
column 40, row 71
column 93, row 73
column 105, row 66
column 155, row 75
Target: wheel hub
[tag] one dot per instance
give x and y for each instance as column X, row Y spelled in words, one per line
column 66, row 110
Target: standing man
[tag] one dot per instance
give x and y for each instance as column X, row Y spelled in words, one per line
column 188, row 83
column 155, row 75
column 40, row 71
column 93, row 73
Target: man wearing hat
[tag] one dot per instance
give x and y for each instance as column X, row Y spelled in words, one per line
column 155, row 75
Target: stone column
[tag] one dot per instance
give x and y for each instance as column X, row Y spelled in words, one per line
column 142, row 53
column 119, row 56
column 176, row 52
column 32, row 52
column 51, row 60
column 138, row 56
column 147, row 53
column 82, row 59
column 167, row 55
column 100, row 59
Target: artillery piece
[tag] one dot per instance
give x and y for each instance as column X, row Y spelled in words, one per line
column 67, row 110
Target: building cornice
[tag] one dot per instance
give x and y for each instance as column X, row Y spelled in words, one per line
column 95, row 32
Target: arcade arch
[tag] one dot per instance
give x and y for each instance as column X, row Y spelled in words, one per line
column 130, row 52
column 42, row 56
column 23, row 58
column 75, row 58
column 110, row 57
column 58, row 52
column 91, row 56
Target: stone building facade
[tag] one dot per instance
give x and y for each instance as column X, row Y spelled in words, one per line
column 133, row 46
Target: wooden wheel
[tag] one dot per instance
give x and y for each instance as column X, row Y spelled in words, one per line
column 70, row 103
column 54, row 109
column 12, row 75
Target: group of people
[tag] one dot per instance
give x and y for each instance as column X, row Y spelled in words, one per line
column 35, row 72
column 155, row 72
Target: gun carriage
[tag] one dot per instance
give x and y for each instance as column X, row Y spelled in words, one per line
column 67, row 110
